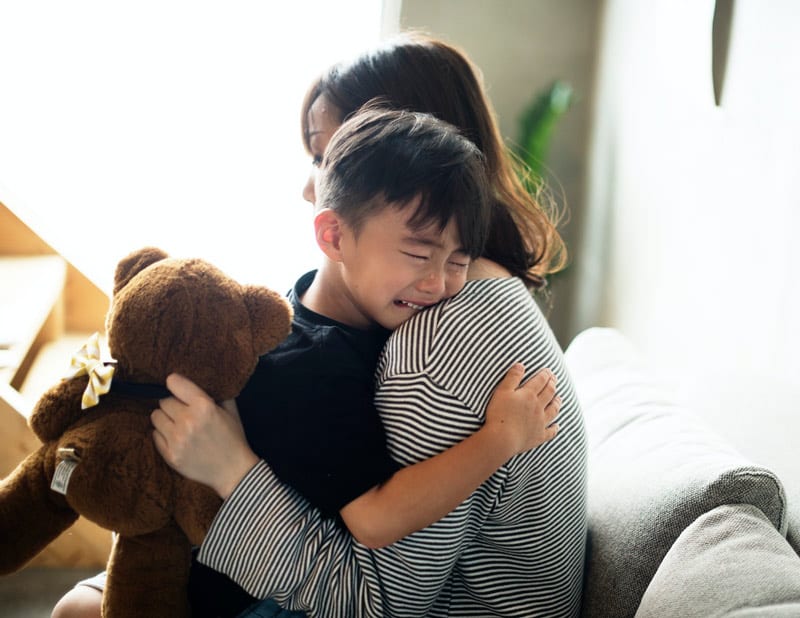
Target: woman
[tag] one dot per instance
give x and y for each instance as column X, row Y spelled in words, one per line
column 516, row 546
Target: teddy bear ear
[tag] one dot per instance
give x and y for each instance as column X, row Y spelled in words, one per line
column 134, row 263
column 270, row 316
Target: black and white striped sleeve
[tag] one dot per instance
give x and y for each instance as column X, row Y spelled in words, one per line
column 270, row 541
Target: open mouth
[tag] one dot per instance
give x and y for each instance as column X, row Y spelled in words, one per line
column 405, row 303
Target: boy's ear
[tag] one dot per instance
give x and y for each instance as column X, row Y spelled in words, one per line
column 328, row 228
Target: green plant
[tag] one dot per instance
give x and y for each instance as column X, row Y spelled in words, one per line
column 536, row 127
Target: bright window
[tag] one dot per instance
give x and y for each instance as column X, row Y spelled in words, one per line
column 172, row 123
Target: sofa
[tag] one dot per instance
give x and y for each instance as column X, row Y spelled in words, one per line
column 681, row 523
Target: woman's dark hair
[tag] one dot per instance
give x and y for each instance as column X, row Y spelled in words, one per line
column 383, row 157
column 416, row 72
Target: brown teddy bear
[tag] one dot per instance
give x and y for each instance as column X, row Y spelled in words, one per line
column 98, row 458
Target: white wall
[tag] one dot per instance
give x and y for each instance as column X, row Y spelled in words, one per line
column 694, row 210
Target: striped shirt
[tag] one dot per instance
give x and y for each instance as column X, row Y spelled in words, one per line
column 515, row 547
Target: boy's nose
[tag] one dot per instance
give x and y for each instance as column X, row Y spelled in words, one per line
column 433, row 283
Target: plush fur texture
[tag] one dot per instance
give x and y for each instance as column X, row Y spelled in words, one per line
column 167, row 315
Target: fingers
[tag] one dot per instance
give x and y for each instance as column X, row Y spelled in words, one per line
column 552, row 408
column 183, row 388
column 162, row 446
column 169, row 418
column 548, row 381
column 551, row 432
column 513, row 377
column 542, row 384
column 542, row 380
column 161, row 420
column 165, row 428
column 172, row 410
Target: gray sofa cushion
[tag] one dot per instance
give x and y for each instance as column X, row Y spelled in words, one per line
column 793, row 533
column 653, row 469
column 746, row 568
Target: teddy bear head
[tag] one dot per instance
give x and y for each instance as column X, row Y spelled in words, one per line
column 186, row 316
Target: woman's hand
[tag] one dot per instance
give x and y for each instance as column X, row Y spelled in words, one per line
column 524, row 413
column 203, row 441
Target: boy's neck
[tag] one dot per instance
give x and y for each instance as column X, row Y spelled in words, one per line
column 328, row 296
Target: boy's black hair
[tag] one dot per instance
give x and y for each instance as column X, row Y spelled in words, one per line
column 381, row 157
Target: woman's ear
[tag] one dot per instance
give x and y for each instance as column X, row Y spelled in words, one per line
column 329, row 227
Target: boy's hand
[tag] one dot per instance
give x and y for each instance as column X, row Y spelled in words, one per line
column 203, row 441
column 524, row 413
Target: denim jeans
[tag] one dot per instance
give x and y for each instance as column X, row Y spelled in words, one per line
column 269, row 609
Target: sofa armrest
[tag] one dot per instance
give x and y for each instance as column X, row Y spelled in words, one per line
column 653, row 469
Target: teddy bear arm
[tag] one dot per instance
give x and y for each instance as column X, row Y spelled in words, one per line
column 195, row 508
column 58, row 408
column 31, row 514
column 148, row 575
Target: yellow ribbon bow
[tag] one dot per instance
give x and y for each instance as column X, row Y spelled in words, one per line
column 86, row 361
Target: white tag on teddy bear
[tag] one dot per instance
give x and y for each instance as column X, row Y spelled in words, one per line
column 64, row 470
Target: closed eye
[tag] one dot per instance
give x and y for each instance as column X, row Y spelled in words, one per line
column 421, row 258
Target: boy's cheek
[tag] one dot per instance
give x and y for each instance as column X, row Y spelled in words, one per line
column 456, row 285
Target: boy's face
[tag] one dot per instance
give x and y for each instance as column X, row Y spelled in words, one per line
column 390, row 271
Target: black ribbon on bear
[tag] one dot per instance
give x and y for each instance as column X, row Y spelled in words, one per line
column 138, row 389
